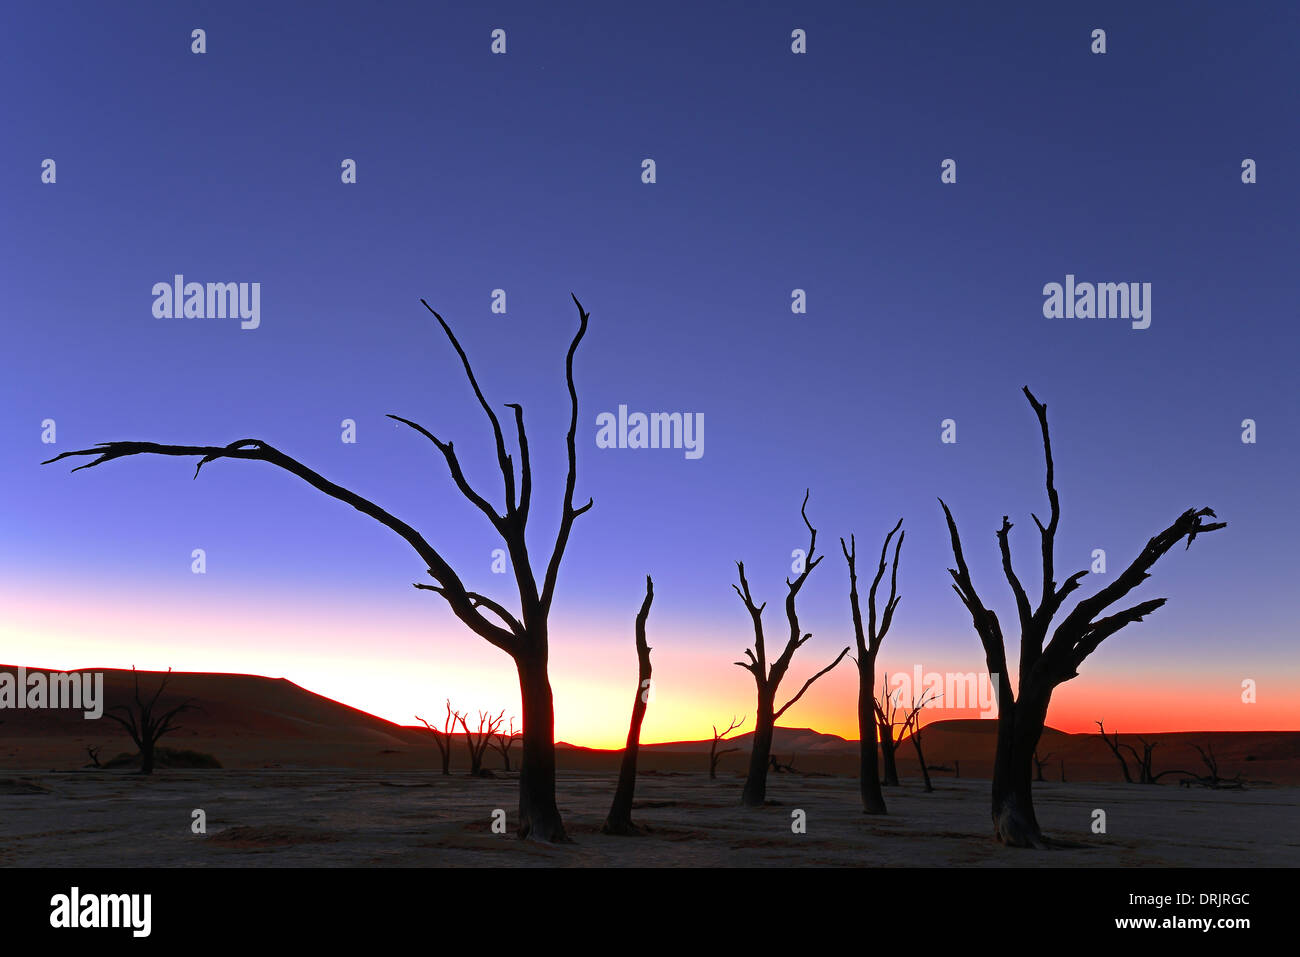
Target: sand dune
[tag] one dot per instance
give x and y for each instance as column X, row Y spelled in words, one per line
column 248, row 721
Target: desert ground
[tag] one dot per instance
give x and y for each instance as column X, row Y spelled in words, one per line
column 349, row 817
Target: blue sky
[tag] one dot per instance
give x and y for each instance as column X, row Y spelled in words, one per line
column 775, row 171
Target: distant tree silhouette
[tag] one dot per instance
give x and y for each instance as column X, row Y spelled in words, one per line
column 442, row 738
column 716, row 753
column 502, row 743
column 787, row 768
column 912, row 723
column 1114, row 745
column 868, row 641
column 1040, row 763
column 1044, row 663
column 619, row 820
column 1146, row 774
column 477, row 741
column 144, row 723
column 524, row 638
column 1213, row 779
column 768, row 679
column 886, row 711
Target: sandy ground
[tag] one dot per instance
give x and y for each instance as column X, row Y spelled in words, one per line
column 320, row 817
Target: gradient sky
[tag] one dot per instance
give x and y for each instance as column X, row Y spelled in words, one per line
column 775, row 172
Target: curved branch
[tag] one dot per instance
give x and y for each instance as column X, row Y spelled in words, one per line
column 808, row 684
column 503, row 460
column 568, row 513
column 454, row 591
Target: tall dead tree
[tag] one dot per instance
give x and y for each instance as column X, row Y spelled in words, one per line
column 478, row 741
column 1044, row 663
column 716, row 753
column 619, row 820
column 442, row 738
column 768, row 678
column 504, row 741
column 144, row 723
column 868, row 642
column 525, row 638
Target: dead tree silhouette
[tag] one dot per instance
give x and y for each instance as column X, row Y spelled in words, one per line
column 619, row 820
column 1045, row 664
column 1114, row 745
column 144, row 725
column 1211, row 780
column 1039, row 764
column 524, row 638
column 768, row 679
column 477, row 742
column 886, row 710
column 442, row 738
column 1143, row 760
column 715, row 754
column 787, row 768
column 502, row 743
column 912, row 722
column 868, row 642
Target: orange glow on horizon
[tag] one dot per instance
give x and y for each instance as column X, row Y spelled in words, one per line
column 406, row 658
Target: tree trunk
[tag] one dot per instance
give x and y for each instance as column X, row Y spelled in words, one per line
column 446, row 759
column 146, row 757
column 873, row 802
column 620, row 812
column 887, row 755
column 916, row 740
column 539, row 818
column 760, row 754
column 1020, row 725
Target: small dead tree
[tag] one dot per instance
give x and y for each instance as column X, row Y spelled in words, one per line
column 868, row 642
column 1214, row 779
column 442, row 738
column 478, row 741
column 780, row 768
column 1046, row 664
column 503, row 742
column 93, row 750
column 1040, row 763
column 144, row 723
column 619, row 820
column 1145, row 775
column 912, row 722
column 768, row 678
column 886, row 710
column 1114, row 744
column 715, row 753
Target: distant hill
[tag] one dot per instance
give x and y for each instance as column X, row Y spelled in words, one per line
column 249, row 721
